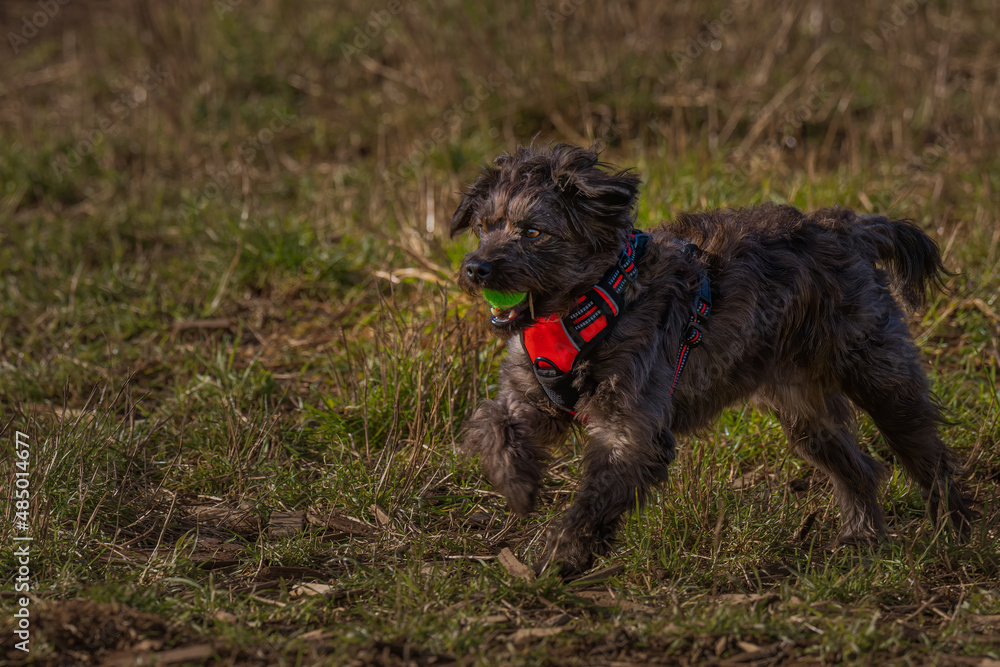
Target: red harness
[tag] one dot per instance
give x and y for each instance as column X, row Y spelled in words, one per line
column 554, row 344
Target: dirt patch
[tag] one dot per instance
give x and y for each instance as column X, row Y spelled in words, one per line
column 83, row 632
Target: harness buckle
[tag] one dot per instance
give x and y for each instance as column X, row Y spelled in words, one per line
column 546, row 368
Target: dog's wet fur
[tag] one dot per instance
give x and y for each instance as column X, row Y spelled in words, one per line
column 804, row 322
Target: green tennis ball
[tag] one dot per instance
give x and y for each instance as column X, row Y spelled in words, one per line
column 501, row 300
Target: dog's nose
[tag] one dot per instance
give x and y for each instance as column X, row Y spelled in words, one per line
column 476, row 268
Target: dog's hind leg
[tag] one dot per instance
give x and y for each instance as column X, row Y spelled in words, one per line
column 820, row 426
column 887, row 382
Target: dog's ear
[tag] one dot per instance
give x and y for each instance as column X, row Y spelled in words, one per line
column 471, row 199
column 463, row 214
column 608, row 193
column 592, row 188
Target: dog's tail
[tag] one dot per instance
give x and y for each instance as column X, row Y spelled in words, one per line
column 912, row 258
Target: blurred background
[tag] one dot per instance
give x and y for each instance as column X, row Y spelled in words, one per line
column 150, row 134
column 251, row 149
column 225, row 269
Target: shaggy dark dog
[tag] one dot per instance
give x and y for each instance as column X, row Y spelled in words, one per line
column 791, row 311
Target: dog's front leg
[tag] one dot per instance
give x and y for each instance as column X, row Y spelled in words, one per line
column 622, row 464
column 512, row 435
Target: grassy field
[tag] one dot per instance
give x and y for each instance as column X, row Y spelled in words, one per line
column 232, row 341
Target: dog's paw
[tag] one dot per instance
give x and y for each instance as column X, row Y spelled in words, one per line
column 567, row 566
column 515, row 478
column 958, row 514
column 521, row 498
column 570, row 558
column 856, row 539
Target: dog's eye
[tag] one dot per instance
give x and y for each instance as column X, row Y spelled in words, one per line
column 532, row 233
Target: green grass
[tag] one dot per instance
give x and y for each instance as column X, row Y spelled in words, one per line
column 196, row 356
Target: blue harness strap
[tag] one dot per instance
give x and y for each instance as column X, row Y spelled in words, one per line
column 692, row 337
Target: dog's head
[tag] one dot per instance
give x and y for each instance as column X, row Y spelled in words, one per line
column 550, row 223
